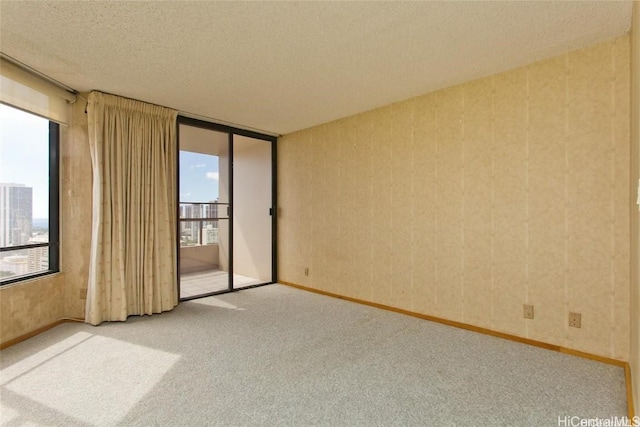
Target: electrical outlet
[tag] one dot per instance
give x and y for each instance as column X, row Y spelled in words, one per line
column 528, row 311
column 575, row 320
column 306, row 271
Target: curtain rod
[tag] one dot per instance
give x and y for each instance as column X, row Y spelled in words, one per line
column 193, row 116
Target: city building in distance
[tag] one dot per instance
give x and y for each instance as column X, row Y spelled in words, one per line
column 16, row 207
column 17, row 229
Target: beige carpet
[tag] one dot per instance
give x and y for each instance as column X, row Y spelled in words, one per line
column 281, row 356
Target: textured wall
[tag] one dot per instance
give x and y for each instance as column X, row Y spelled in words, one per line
column 635, row 234
column 30, row 305
column 198, row 258
column 75, row 210
column 468, row 202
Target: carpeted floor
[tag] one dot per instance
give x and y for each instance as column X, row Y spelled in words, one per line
column 279, row 356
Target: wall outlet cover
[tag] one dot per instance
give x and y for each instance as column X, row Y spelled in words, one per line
column 528, row 311
column 575, row 320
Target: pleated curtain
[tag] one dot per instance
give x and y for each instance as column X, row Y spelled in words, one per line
column 132, row 267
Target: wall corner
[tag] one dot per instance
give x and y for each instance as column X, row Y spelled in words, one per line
column 635, row 214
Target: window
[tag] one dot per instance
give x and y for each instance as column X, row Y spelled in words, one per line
column 29, row 244
column 200, row 205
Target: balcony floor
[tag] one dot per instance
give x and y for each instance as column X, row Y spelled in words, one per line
column 204, row 282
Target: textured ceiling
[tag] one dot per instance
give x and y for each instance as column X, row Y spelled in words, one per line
column 284, row 66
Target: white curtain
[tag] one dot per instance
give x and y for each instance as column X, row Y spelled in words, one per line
column 132, row 268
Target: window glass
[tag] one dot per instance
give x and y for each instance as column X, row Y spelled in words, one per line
column 26, row 182
column 199, row 199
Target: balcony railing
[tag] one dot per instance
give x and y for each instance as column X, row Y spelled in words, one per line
column 199, row 222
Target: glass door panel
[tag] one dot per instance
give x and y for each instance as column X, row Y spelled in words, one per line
column 252, row 203
column 204, row 211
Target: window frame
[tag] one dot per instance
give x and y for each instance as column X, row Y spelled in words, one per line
column 54, row 213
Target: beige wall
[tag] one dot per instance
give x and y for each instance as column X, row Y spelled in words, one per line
column 471, row 201
column 30, row 305
column 635, row 234
column 75, row 210
column 198, row 258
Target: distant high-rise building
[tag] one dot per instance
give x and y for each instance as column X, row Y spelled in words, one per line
column 39, row 257
column 200, row 232
column 210, row 233
column 16, row 207
column 210, row 210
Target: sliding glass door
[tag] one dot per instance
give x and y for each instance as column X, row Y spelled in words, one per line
column 225, row 227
